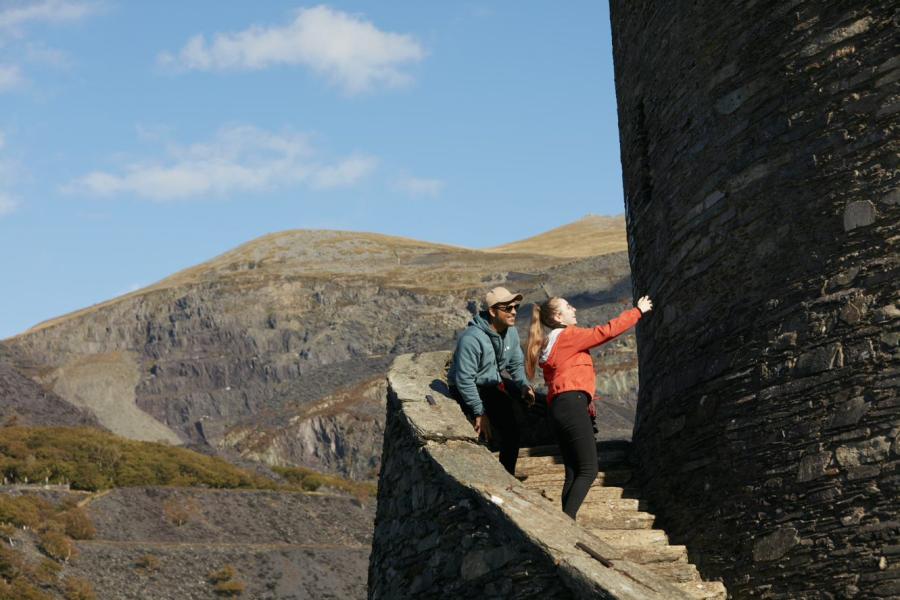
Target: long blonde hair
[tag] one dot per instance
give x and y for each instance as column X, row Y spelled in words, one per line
column 542, row 315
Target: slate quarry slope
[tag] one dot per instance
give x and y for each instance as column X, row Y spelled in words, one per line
column 241, row 350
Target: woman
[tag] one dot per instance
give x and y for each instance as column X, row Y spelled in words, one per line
column 569, row 373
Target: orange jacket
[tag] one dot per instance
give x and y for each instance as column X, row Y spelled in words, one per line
column 569, row 366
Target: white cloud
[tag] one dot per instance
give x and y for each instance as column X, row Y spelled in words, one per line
column 7, row 204
column 10, row 77
column 16, row 15
column 416, row 186
column 7, row 174
column 237, row 159
column 350, row 51
column 344, row 174
column 42, row 54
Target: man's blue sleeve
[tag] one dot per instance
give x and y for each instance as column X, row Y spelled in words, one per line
column 465, row 367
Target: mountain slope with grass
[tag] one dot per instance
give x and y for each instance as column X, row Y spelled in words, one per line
column 591, row 235
column 235, row 351
column 271, row 356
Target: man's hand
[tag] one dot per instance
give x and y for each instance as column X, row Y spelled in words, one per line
column 528, row 395
column 483, row 427
column 645, row 304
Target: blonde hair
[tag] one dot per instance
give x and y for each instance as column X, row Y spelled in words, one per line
column 542, row 315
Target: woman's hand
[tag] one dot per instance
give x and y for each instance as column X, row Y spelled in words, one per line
column 645, row 304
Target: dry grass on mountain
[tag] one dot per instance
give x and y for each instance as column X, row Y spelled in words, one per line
column 592, row 235
column 382, row 260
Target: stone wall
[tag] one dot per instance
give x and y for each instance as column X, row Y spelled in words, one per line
column 760, row 149
column 451, row 523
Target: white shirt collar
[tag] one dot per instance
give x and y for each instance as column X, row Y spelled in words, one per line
column 551, row 340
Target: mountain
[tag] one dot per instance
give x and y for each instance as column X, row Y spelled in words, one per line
column 274, row 355
column 25, row 402
column 244, row 350
column 589, row 236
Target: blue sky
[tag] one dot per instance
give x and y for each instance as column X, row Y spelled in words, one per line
column 140, row 138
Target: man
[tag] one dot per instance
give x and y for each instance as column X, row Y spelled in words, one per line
column 489, row 345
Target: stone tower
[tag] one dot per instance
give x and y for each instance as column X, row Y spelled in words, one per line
column 760, row 149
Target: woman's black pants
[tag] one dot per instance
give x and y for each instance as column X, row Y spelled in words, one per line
column 575, row 434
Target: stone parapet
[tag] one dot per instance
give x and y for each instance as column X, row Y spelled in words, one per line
column 452, row 523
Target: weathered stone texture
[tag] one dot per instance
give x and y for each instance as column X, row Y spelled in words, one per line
column 760, row 150
column 451, row 523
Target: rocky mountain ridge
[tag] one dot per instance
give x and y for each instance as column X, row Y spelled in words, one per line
column 237, row 352
column 274, row 355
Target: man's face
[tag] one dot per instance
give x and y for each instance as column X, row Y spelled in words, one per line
column 503, row 315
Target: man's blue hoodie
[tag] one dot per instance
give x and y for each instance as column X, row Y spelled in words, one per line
column 481, row 353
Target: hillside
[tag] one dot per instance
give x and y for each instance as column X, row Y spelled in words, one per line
column 589, row 236
column 275, row 353
column 283, row 321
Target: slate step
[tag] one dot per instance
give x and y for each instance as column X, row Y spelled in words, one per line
column 615, row 478
column 539, row 455
column 609, row 504
column 616, row 515
column 645, row 555
column 556, row 459
column 632, row 538
column 553, row 450
column 599, row 520
column 604, row 498
column 704, row 590
column 597, row 493
column 676, row 572
column 547, row 467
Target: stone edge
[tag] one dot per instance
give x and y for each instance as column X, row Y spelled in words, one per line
column 447, row 438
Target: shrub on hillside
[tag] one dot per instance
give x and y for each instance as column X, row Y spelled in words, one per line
column 90, row 459
column 229, row 588
column 76, row 588
column 224, row 574
column 225, row 582
column 46, row 572
column 23, row 580
column 310, row 481
column 11, row 563
column 23, row 511
column 56, row 545
column 179, row 511
column 20, row 589
column 148, row 563
column 77, row 525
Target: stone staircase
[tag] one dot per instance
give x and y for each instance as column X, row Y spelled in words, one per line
column 614, row 512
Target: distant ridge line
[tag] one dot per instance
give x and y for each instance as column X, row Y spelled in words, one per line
column 592, row 235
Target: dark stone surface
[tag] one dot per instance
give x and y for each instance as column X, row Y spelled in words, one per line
column 760, row 149
column 452, row 523
column 24, row 402
column 433, row 539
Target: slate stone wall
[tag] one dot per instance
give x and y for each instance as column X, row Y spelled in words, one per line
column 451, row 523
column 760, row 151
column 436, row 541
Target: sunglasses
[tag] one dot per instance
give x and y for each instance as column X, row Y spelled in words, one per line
column 507, row 309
